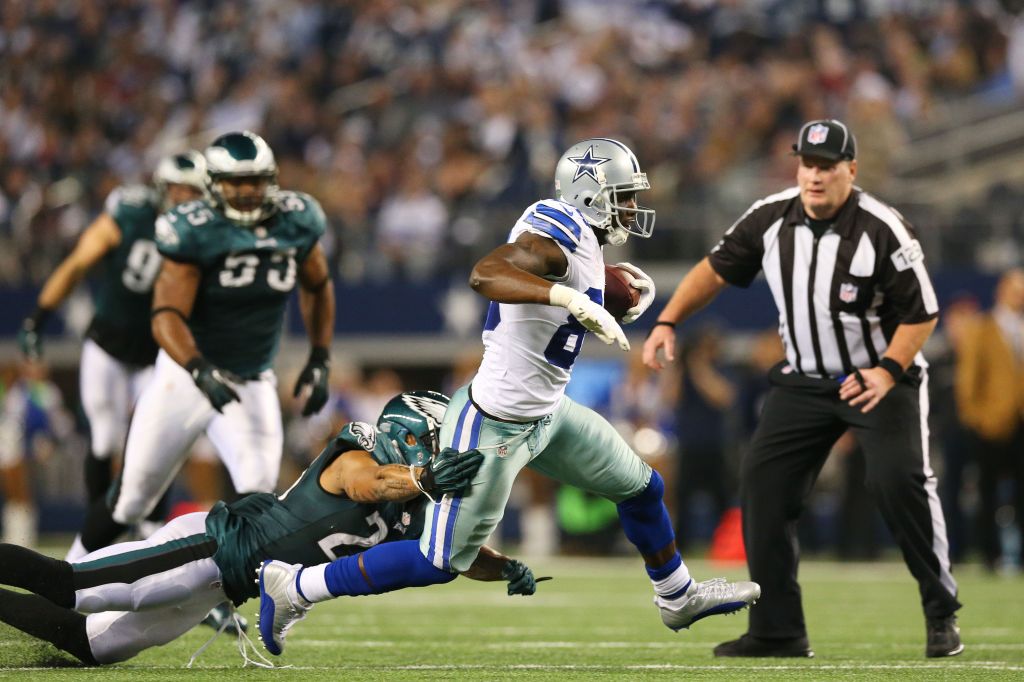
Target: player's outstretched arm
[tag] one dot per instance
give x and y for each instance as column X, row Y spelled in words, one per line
column 316, row 302
column 99, row 238
column 356, row 474
column 491, row 565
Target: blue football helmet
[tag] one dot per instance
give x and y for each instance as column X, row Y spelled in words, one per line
column 411, row 422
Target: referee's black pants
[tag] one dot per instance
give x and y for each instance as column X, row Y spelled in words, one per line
column 802, row 418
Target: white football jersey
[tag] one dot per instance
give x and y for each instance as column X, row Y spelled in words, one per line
column 529, row 349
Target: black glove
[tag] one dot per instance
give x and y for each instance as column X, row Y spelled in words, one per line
column 520, row 578
column 450, row 472
column 212, row 382
column 30, row 335
column 314, row 375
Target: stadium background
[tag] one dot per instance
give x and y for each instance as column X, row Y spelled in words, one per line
column 425, row 127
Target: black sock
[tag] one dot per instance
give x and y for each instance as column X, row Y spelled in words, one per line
column 100, row 529
column 32, row 571
column 98, row 475
column 41, row 618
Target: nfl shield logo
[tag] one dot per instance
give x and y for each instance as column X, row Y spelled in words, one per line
column 817, row 134
column 847, row 292
column 502, row 451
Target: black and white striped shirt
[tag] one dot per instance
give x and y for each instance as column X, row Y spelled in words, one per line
column 840, row 295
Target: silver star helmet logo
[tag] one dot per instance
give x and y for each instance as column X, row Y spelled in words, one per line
column 587, row 164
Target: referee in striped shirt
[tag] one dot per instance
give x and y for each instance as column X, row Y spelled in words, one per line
column 855, row 307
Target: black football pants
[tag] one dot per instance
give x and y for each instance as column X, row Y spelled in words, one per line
column 802, row 418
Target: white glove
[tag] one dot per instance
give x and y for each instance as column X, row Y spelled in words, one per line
column 591, row 315
column 639, row 280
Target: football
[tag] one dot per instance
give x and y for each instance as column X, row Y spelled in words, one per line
column 619, row 296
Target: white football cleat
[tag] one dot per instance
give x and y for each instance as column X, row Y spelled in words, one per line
column 708, row 598
column 281, row 605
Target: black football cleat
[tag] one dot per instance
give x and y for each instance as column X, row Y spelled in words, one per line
column 749, row 646
column 943, row 638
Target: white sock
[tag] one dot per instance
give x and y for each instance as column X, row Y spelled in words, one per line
column 671, row 587
column 540, row 532
column 77, row 550
column 20, row 524
column 313, row 584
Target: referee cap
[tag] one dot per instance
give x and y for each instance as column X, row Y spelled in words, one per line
column 827, row 138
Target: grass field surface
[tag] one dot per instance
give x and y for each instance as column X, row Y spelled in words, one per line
column 594, row 621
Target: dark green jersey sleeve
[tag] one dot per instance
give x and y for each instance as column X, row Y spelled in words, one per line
column 130, row 206
column 177, row 232
column 306, row 215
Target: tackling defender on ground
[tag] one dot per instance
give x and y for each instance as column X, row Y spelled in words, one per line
column 363, row 489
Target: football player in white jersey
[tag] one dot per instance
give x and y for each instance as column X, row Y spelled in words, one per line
column 516, row 412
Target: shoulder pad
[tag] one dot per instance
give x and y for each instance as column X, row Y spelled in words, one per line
column 556, row 220
column 134, row 196
column 176, row 229
column 303, row 210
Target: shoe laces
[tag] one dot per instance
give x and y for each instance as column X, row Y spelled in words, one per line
column 244, row 645
column 716, row 587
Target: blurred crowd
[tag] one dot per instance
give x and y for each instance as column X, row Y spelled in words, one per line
column 423, row 127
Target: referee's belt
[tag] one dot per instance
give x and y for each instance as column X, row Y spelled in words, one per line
column 783, row 374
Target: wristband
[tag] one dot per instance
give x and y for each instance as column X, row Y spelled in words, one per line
column 194, row 365
column 319, row 354
column 561, row 295
column 892, row 367
column 38, row 319
column 660, row 323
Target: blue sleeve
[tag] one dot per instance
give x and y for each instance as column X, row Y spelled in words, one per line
column 555, row 224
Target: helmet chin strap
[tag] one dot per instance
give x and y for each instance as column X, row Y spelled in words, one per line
column 616, row 236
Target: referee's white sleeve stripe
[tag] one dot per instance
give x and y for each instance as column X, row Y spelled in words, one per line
column 888, row 216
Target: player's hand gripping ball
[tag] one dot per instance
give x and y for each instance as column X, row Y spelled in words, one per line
column 619, row 296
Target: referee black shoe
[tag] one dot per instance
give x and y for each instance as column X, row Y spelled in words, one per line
column 749, row 646
column 943, row 638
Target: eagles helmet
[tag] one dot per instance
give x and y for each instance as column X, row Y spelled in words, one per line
column 412, row 422
column 242, row 155
column 187, row 168
column 598, row 176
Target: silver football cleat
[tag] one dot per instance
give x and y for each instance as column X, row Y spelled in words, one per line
column 281, row 605
column 708, row 598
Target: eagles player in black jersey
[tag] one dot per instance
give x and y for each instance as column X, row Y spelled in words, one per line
column 366, row 487
column 118, row 353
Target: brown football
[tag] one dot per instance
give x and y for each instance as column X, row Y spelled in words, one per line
column 618, row 295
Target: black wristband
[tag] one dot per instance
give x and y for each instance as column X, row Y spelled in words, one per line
column 892, row 367
column 660, row 323
column 320, row 354
column 196, row 363
column 38, row 319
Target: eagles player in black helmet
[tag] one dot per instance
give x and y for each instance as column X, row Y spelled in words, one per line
column 230, row 265
column 363, row 489
column 118, row 353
